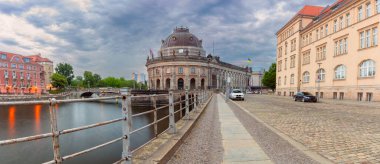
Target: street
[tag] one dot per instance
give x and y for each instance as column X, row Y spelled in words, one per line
column 341, row 131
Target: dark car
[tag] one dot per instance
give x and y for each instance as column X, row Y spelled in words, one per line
column 304, row 97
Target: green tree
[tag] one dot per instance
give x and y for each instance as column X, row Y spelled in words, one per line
column 96, row 79
column 65, row 70
column 88, row 80
column 269, row 78
column 77, row 82
column 58, row 81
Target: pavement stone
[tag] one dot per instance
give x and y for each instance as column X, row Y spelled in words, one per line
column 343, row 132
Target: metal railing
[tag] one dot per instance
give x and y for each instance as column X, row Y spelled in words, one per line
column 193, row 99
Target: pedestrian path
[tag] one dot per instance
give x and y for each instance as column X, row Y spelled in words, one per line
column 238, row 144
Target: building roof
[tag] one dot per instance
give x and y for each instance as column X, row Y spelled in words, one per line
column 310, row 10
column 17, row 58
column 39, row 58
column 181, row 37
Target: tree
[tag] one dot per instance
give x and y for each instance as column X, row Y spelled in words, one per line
column 58, row 81
column 269, row 78
column 88, row 79
column 96, row 79
column 77, row 82
column 65, row 70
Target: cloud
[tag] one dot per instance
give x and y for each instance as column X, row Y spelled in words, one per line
column 113, row 38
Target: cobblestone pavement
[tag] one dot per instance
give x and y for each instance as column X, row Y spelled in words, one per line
column 344, row 132
column 204, row 143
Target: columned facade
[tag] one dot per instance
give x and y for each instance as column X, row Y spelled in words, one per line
column 182, row 63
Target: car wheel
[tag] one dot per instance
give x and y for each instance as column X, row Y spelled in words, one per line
column 294, row 99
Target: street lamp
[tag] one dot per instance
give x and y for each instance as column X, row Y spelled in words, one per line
column 319, row 81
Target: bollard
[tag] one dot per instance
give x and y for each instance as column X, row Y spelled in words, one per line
column 153, row 99
column 54, row 130
column 172, row 127
column 126, row 124
column 187, row 116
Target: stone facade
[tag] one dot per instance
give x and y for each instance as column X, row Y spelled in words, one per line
column 332, row 50
column 182, row 64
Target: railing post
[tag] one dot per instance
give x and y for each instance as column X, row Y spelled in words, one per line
column 127, row 124
column 54, row 130
column 187, row 116
column 172, row 127
column 195, row 100
column 180, row 105
column 154, row 102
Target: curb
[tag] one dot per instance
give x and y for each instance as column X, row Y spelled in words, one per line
column 168, row 148
column 312, row 154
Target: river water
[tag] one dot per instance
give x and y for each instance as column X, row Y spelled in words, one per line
column 26, row 120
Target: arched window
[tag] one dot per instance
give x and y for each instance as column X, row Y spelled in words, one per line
column 292, row 79
column 321, row 74
column 367, row 68
column 340, row 72
column 306, row 77
column 279, row 81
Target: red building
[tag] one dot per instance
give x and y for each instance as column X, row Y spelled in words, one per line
column 20, row 75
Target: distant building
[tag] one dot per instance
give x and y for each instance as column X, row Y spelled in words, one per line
column 139, row 77
column 48, row 68
column 182, row 63
column 255, row 79
column 20, row 74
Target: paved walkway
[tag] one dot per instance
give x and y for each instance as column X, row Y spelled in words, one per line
column 238, row 144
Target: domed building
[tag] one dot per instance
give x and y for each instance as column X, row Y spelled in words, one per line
column 181, row 63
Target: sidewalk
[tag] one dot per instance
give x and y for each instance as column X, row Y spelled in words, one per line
column 238, row 144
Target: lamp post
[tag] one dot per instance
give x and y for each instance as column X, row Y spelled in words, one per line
column 319, row 82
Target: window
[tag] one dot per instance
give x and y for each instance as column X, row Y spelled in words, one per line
column 335, row 95
column 286, row 63
column 321, row 32
column 326, row 30
column 321, row 74
column 368, row 10
column 360, row 13
column 279, row 81
column 180, row 70
column 21, row 66
column 377, row 6
column 293, row 61
column 340, row 46
column 13, row 65
column 292, row 79
column 310, row 38
column 26, row 60
column 374, row 37
column 362, row 41
column 335, row 25
column 341, row 23
column 280, row 52
column 336, row 49
column 341, row 95
column 168, row 70
column 360, row 96
column 285, row 80
column 157, row 71
column 3, row 56
column 340, row 72
column 316, row 35
column 306, row 77
column 192, row 70
column 345, row 45
column 367, row 68
column 286, row 48
column 348, row 19
column 369, row 96
column 368, row 38
column 306, row 58
column 321, row 53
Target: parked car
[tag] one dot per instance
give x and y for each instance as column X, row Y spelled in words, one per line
column 249, row 92
column 236, row 94
column 304, row 97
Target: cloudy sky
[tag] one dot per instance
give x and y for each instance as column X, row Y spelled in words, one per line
column 113, row 37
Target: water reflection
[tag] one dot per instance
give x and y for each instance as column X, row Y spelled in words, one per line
column 11, row 121
column 37, row 118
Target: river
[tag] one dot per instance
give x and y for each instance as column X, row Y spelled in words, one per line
column 26, row 120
